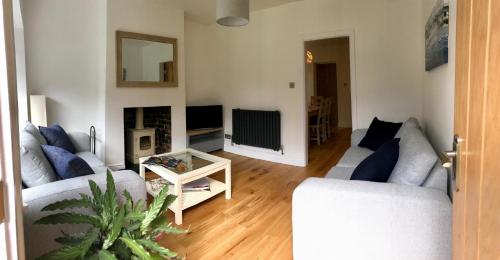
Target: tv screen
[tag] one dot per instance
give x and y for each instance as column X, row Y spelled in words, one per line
column 200, row 117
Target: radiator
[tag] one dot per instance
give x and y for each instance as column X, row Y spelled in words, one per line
column 257, row 128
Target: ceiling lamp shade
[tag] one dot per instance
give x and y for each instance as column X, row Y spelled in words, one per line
column 233, row 12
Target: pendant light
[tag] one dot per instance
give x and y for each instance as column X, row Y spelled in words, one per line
column 233, row 12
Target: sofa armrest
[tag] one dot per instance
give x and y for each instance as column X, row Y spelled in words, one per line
column 39, row 239
column 339, row 219
column 357, row 135
column 81, row 141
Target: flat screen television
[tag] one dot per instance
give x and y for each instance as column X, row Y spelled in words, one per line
column 202, row 117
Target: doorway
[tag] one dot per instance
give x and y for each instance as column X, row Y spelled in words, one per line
column 326, row 86
column 328, row 66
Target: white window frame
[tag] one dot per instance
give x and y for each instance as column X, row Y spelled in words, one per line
column 9, row 138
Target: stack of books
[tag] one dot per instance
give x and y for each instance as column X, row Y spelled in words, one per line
column 167, row 162
column 156, row 185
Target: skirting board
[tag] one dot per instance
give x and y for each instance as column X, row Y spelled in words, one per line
column 262, row 154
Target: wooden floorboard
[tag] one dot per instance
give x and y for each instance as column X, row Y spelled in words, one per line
column 256, row 222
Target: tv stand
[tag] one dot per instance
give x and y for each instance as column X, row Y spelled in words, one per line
column 206, row 140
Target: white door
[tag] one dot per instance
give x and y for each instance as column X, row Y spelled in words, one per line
column 11, row 221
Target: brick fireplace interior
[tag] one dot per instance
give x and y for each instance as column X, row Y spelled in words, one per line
column 155, row 119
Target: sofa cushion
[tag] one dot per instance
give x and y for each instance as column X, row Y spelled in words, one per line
column 378, row 133
column 35, row 168
column 30, row 128
column 378, row 166
column 91, row 159
column 66, row 164
column 56, row 136
column 357, row 135
column 353, row 156
column 338, row 172
column 438, row 178
column 408, row 124
column 416, row 159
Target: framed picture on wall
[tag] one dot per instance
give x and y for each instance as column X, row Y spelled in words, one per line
column 436, row 36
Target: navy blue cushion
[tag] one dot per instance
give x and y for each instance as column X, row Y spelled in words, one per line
column 65, row 164
column 378, row 133
column 56, row 136
column 379, row 165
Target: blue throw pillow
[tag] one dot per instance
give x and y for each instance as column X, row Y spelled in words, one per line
column 56, row 136
column 378, row 133
column 66, row 164
column 379, row 165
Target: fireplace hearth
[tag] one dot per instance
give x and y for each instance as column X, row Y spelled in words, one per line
column 147, row 132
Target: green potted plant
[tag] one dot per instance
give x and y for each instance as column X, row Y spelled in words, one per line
column 117, row 231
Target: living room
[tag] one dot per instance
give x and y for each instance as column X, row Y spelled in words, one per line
column 239, row 86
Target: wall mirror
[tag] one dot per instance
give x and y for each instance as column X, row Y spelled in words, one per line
column 145, row 60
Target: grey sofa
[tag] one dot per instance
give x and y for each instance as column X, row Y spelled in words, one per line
column 39, row 239
column 336, row 218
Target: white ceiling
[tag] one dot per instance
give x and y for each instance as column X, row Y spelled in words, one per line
column 204, row 10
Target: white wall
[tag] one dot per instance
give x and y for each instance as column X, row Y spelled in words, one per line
column 439, row 88
column 149, row 17
column 65, row 57
column 259, row 60
column 153, row 55
column 202, row 63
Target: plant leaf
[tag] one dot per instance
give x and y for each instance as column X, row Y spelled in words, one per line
column 159, row 221
column 70, row 240
column 68, row 204
column 96, row 191
column 139, row 206
column 115, row 230
column 70, row 218
column 134, row 216
column 168, row 201
column 77, row 251
column 155, row 247
column 110, row 194
column 109, row 201
column 129, row 201
column 136, row 248
column 121, row 250
column 169, row 229
column 106, row 255
column 154, row 209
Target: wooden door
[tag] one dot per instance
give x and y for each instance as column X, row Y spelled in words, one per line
column 326, row 86
column 476, row 207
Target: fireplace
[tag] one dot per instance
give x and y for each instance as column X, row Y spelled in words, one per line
column 147, row 132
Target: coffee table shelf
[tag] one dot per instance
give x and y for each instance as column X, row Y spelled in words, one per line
column 197, row 165
column 191, row 198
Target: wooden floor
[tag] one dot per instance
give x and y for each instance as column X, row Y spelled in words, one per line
column 256, row 222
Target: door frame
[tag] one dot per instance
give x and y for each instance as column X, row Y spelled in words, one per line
column 9, row 138
column 352, row 60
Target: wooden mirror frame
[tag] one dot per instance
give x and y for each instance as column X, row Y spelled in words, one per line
column 145, row 37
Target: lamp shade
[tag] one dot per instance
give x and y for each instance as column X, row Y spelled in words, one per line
column 38, row 110
column 233, row 12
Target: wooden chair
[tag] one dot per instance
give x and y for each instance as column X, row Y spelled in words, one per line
column 316, row 101
column 317, row 125
column 328, row 117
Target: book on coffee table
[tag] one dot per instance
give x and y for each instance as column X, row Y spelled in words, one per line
column 156, row 185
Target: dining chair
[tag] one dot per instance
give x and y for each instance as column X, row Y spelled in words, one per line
column 316, row 100
column 317, row 125
column 328, row 116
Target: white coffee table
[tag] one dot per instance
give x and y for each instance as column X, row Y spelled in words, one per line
column 199, row 165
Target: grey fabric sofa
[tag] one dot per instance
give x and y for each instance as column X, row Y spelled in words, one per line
column 39, row 239
column 336, row 218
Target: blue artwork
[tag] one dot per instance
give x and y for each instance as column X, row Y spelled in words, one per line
column 436, row 36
